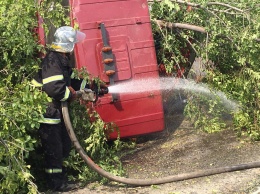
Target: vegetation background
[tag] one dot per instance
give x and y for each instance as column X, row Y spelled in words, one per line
column 229, row 47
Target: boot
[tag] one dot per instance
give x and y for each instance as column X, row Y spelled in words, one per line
column 65, row 187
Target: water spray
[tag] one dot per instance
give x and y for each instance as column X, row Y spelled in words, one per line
column 170, row 84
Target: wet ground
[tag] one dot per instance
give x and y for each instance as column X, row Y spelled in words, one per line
column 182, row 149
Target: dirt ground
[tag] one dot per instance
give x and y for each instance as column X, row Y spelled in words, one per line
column 182, row 149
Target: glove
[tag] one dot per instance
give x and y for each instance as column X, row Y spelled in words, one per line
column 103, row 90
column 73, row 94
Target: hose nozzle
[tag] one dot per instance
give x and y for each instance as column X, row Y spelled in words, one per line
column 86, row 95
column 103, row 91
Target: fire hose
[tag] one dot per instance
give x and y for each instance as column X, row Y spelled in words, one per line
column 142, row 182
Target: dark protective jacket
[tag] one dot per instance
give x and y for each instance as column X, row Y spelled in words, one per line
column 54, row 77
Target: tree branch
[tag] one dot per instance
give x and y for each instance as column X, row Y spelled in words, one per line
column 225, row 5
column 226, row 11
column 179, row 1
column 180, row 25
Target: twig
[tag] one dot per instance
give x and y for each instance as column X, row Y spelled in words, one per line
column 200, row 6
column 226, row 11
column 225, row 5
column 210, row 10
column 178, row 1
column 159, row 26
column 187, row 39
column 16, row 145
column 178, row 65
column 207, row 40
column 223, row 22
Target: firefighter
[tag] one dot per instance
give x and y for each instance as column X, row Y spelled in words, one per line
column 55, row 79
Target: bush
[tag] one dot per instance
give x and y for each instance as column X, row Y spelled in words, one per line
column 231, row 43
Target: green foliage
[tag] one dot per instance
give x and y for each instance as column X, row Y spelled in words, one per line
column 232, row 43
column 208, row 111
column 21, row 108
column 54, row 14
column 17, row 41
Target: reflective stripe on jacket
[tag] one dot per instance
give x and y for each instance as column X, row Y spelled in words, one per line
column 50, row 121
column 36, row 83
column 53, row 170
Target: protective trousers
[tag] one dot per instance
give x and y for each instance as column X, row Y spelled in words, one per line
column 56, row 145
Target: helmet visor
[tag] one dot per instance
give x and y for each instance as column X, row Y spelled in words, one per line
column 80, row 36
